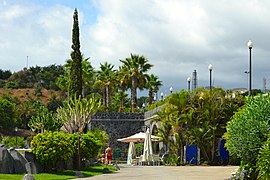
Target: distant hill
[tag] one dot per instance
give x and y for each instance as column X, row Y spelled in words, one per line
column 24, row 94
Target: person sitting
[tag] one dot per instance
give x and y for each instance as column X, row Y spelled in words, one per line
column 102, row 158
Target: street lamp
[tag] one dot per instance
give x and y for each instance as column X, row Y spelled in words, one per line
column 246, row 72
column 250, row 46
column 16, row 130
column 188, row 80
column 143, row 107
column 161, row 95
column 171, row 90
column 210, row 67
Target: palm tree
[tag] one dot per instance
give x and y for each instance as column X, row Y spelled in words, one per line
column 137, row 66
column 123, row 83
column 106, row 78
column 153, row 84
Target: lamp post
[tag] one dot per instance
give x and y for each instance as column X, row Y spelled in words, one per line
column 210, row 67
column 79, row 174
column 246, row 72
column 143, row 107
column 250, row 46
column 171, row 90
column 161, row 95
column 188, row 81
column 16, row 130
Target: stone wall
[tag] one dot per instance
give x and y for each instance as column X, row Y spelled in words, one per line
column 118, row 125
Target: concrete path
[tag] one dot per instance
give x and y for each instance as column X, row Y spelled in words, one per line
column 168, row 173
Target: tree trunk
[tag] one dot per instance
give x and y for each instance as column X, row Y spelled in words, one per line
column 134, row 93
column 104, row 96
column 150, row 93
column 108, row 100
column 213, row 147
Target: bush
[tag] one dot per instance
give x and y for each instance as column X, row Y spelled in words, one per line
column 8, row 114
column 246, row 132
column 11, row 142
column 12, row 85
column 90, row 145
column 263, row 163
column 52, row 147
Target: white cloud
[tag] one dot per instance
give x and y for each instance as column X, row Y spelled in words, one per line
column 176, row 36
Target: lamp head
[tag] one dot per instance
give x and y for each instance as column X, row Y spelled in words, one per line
column 210, row 67
column 250, row 44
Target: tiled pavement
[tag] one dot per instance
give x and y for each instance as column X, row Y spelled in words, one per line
column 168, row 173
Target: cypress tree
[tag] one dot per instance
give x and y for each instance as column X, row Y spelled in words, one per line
column 76, row 57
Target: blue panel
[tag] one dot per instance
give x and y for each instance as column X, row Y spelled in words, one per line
column 224, row 154
column 191, row 154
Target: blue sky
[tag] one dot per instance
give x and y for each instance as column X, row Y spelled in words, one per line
column 177, row 36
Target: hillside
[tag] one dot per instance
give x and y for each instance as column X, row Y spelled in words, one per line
column 24, row 94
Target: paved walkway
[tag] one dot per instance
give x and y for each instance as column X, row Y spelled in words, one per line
column 168, row 173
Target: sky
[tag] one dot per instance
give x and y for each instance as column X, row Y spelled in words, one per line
column 176, row 36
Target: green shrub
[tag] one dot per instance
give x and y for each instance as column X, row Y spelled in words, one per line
column 170, row 159
column 246, row 132
column 8, row 114
column 52, row 147
column 90, row 145
column 263, row 163
column 12, row 142
column 12, row 85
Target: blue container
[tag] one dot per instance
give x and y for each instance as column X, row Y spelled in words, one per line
column 192, row 155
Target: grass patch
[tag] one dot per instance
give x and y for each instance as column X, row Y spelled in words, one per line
column 67, row 174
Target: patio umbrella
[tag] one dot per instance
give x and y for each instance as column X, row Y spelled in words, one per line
column 131, row 152
column 147, row 148
column 138, row 137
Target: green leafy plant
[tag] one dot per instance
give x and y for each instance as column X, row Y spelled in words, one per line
column 264, row 161
column 18, row 142
column 52, row 147
column 44, row 120
column 89, row 145
column 247, row 132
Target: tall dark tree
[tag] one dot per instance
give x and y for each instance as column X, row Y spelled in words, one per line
column 76, row 65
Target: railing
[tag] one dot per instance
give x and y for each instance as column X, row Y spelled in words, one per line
column 152, row 113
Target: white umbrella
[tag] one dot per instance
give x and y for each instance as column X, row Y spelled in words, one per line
column 131, row 153
column 139, row 137
column 147, row 148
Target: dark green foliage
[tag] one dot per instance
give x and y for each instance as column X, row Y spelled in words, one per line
column 76, row 65
column 38, row 88
column 8, row 114
column 4, row 75
column 2, row 83
column 254, row 92
column 23, row 78
column 52, row 147
column 12, row 85
column 247, row 131
column 27, row 78
column 54, row 103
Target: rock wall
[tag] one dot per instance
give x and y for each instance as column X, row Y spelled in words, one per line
column 118, row 125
